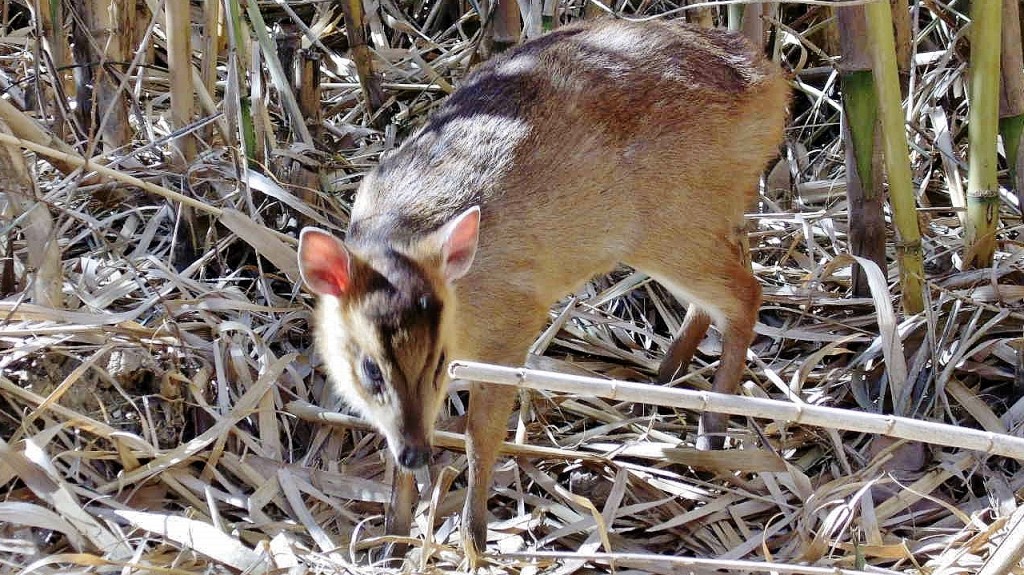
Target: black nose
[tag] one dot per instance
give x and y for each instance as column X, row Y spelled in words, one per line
column 414, row 457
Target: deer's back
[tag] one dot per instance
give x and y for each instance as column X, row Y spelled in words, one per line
column 577, row 133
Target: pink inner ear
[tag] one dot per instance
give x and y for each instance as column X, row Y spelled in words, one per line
column 324, row 263
column 460, row 242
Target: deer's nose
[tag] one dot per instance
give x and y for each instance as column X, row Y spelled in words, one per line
column 414, row 457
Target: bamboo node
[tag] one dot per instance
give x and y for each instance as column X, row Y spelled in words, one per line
column 908, row 245
column 890, row 424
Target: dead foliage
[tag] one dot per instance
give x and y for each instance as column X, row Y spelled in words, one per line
column 161, row 415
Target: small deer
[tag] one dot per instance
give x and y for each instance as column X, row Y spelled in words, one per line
column 597, row 144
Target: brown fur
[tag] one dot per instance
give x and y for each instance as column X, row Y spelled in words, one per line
column 596, row 144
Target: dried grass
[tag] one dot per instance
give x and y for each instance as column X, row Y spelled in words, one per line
column 165, row 420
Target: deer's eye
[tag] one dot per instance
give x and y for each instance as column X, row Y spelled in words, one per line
column 373, row 378
column 429, row 304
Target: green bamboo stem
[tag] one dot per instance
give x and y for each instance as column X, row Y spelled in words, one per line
column 861, row 107
column 549, row 15
column 1010, row 130
column 982, row 127
column 897, row 161
column 864, row 184
column 735, row 17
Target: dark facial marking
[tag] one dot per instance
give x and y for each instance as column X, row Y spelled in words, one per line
column 399, row 296
column 399, row 302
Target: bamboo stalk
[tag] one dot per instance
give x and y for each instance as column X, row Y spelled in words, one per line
column 909, row 253
column 804, row 414
column 50, row 15
column 24, row 127
column 748, row 19
column 1011, row 96
column 864, row 188
column 92, row 166
column 734, row 15
column 105, row 50
column 902, row 39
column 179, row 68
column 1010, row 549
column 355, row 30
column 753, row 21
column 982, row 127
column 549, row 15
column 213, row 42
column 507, row 25
column 702, row 15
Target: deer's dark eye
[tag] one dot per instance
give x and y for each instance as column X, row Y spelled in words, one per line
column 373, row 378
column 428, row 304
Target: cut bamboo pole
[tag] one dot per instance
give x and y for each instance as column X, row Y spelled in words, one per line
column 897, row 161
column 804, row 414
column 982, row 127
column 653, row 563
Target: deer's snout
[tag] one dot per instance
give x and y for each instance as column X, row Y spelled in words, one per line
column 413, row 456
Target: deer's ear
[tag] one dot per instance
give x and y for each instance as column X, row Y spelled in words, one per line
column 324, row 263
column 459, row 239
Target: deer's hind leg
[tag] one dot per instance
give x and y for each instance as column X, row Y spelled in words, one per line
column 684, row 345
column 713, row 274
